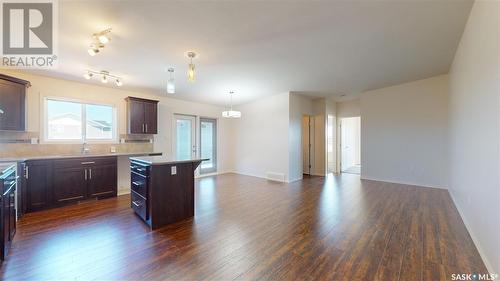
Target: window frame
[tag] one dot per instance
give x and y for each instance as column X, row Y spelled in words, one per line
column 45, row 122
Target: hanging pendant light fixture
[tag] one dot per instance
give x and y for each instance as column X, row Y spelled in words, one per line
column 191, row 73
column 171, row 82
column 231, row 113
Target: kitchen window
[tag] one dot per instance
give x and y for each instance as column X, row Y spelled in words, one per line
column 77, row 122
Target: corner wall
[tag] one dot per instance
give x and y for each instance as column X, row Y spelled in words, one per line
column 404, row 133
column 475, row 129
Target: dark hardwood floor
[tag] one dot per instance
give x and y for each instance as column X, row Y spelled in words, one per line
column 334, row 228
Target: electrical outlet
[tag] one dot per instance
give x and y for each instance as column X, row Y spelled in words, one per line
column 113, row 149
column 173, row 170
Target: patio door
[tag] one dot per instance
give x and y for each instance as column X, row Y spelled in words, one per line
column 208, row 145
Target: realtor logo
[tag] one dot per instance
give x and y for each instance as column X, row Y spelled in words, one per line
column 29, row 33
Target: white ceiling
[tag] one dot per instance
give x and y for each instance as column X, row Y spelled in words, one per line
column 259, row 48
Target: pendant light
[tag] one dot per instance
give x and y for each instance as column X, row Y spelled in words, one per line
column 231, row 113
column 191, row 73
column 171, row 82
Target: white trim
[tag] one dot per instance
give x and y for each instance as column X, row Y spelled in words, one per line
column 476, row 242
column 403, row 182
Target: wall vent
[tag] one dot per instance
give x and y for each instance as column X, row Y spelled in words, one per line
column 275, row 176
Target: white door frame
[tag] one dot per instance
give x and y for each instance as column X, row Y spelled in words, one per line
column 194, row 126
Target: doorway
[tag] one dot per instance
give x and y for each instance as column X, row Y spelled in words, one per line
column 185, row 137
column 350, row 144
column 307, row 144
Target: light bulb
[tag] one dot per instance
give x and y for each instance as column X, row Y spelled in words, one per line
column 191, row 73
column 119, row 82
column 103, row 39
column 104, row 79
column 87, row 75
column 93, row 51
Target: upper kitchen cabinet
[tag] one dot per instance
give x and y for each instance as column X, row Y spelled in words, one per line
column 142, row 115
column 12, row 103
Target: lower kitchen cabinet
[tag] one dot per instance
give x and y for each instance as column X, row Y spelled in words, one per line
column 52, row 183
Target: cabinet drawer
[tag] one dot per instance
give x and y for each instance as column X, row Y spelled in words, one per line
column 139, row 205
column 85, row 161
column 139, row 168
column 139, row 184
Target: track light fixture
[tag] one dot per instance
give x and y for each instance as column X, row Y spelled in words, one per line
column 105, row 75
column 100, row 39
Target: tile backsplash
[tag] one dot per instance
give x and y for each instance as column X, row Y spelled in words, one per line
column 18, row 144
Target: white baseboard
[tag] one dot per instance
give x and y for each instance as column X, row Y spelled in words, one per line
column 402, row 182
column 254, row 175
column 487, row 263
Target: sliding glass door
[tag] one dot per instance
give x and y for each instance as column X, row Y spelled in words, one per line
column 185, row 137
column 208, row 145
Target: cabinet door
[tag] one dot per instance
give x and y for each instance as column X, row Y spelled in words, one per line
column 70, row 184
column 12, row 106
column 151, row 117
column 102, row 181
column 136, row 117
column 38, row 185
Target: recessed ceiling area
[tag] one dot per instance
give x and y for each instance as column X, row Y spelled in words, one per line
column 261, row 48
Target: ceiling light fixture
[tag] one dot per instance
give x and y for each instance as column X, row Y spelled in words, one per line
column 100, row 39
column 231, row 113
column 105, row 75
column 171, row 82
column 191, row 72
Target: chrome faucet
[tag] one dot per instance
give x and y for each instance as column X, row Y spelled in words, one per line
column 85, row 149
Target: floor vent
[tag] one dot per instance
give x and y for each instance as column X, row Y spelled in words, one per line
column 275, row 176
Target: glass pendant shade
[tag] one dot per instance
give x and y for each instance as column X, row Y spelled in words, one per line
column 231, row 114
column 191, row 77
column 171, row 86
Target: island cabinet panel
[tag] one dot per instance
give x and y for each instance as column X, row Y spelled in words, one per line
column 142, row 115
column 12, row 103
column 52, row 183
column 163, row 193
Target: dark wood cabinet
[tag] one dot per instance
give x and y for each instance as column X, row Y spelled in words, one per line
column 102, row 181
column 52, row 183
column 38, row 176
column 12, row 103
column 70, row 184
column 142, row 115
column 8, row 183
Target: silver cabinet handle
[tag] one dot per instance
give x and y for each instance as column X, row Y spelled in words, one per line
column 90, row 173
column 26, row 172
column 143, row 130
column 85, row 174
column 146, row 127
column 87, row 163
column 135, row 204
column 135, row 183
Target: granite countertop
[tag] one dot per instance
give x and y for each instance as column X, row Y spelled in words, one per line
column 48, row 157
column 165, row 160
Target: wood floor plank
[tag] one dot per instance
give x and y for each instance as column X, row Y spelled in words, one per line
column 247, row 228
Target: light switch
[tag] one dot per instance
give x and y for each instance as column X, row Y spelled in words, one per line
column 173, row 170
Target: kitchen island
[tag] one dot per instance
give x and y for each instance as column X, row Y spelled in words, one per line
column 162, row 189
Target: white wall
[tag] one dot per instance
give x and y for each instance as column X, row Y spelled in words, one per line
column 404, row 133
column 349, row 108
column 475, row 128
column 260, row 137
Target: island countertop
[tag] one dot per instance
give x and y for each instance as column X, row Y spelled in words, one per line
column 165, row 160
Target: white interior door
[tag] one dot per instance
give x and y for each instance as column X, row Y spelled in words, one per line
column 350, row 142
column 184, row 137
